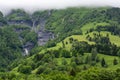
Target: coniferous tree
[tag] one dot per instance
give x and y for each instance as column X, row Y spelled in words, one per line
column 84, row 67
column 72, row 72
column 64, row 62
column 94, row 54
column 115, row 62
column 87, row 59
column 97, row 59
column 118, row 53
column 103, row 63
column 63, row 44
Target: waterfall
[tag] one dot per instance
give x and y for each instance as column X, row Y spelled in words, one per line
column 26, row 51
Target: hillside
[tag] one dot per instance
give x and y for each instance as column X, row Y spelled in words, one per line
column 64, row 44
column 2, row 19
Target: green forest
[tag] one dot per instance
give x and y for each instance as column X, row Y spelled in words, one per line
column 86, row 44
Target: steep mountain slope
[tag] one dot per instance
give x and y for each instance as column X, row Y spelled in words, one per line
column 86, row 41
column 39, row 19
column 19, row 17
column 2, row 19
column 10, row 47
column 71, row 20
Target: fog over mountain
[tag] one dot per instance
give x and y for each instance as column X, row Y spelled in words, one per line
column 32, row 5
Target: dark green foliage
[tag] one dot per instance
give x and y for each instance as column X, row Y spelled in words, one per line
column 90, row 74
column 78, row 60
column 24, row 69
column 97, row 59
column 79, row 48
column 66, row 43
column 97, row 74
column 2, row 20
column 71, row 40
column 39, row 16
column 51, row 44
column 25, row 33
column 31, row 37
column 115, row 61
column 64, row 62
column 118, row 53
column 103, row 63
column 18, row 15
column 84, row 67
column 56, row 53
column 60, row 76
column 40, row 70
column 10, row 46
column 65, row 53
column 61, row 68
column 113, row 14
column 113, row 28
column 38, row 57
column 63, row 44
column 72, row 72
column 35, row 50
column 66, row 22
column 47, row 58
column 94, row 54
column 87, row 60
column 72, row 19
column 48, row 63
column 103, row 45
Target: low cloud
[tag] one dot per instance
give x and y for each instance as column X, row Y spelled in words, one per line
column 32, row 5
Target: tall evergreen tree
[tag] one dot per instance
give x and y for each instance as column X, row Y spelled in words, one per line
column 94, row 54
column 87, row 59
column 118, row 53
column 115, row 62
column 103, row 63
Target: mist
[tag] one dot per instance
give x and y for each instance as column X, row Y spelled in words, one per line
column 33, row 5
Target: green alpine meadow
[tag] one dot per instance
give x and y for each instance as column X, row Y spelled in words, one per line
column 76, row 43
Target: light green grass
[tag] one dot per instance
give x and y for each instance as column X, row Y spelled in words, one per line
column 108, row 59
column 60, row 60
column 113, row 38
column 69, row 45
column 93, row 25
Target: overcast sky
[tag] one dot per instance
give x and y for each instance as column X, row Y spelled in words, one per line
column 31, row 5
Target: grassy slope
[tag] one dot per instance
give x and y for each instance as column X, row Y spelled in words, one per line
column 68, row 46
column 75, row 18
column 113, row 39
column 93, row 25
column 109, row 59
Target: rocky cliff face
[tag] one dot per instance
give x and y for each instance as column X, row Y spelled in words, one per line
column 44, row 35
column 37, row 19
column 20, row 22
